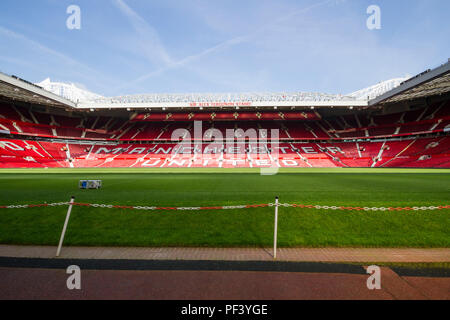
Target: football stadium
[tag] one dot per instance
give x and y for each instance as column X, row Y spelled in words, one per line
column 230, row 150
column 350, row 172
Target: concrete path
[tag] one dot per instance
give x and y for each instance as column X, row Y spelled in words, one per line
column 348, row 255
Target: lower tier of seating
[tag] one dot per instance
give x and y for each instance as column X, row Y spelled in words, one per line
column 418, row 153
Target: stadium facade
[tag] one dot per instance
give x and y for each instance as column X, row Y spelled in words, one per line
column 407, row 126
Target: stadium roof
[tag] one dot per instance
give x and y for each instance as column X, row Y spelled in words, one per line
column 21, row 90
column 434, row 82
column 429, row 83
column 17, row 89
column 211, row 100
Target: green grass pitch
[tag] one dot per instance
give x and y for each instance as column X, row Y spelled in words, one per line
column 234, row 228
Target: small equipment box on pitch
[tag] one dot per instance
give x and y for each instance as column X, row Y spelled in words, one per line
column 90, row 184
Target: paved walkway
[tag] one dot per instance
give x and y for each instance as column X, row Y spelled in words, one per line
column 212, row 285
column 26, row 281
column 233, row 254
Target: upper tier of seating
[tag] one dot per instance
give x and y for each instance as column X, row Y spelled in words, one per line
column 25, row 122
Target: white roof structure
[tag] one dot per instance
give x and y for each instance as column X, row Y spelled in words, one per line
column 69, row 91
column 87, row 100
column 377, row 90
column 215, row 100
column 69, row 95
column 432, row 82
column 18, row 89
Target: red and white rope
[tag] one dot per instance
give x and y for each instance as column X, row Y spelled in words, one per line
column 423, row 208
column 170, row 208
column 287, row 205
column 110, row 206
column 23, row 206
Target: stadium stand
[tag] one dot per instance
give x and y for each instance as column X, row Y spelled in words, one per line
column 407, row 127
column 419, row 152
column 390, row 140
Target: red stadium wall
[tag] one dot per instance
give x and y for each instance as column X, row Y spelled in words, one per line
column 421, row 153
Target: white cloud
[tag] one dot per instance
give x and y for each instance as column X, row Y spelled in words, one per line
column 71, row 66
column 228, row 43
column 38, row 46
column 149, row 39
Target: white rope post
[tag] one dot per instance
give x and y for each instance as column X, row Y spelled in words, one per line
column 275, row 230
column 61, row 240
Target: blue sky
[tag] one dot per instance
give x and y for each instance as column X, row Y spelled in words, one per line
column 146, row 46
